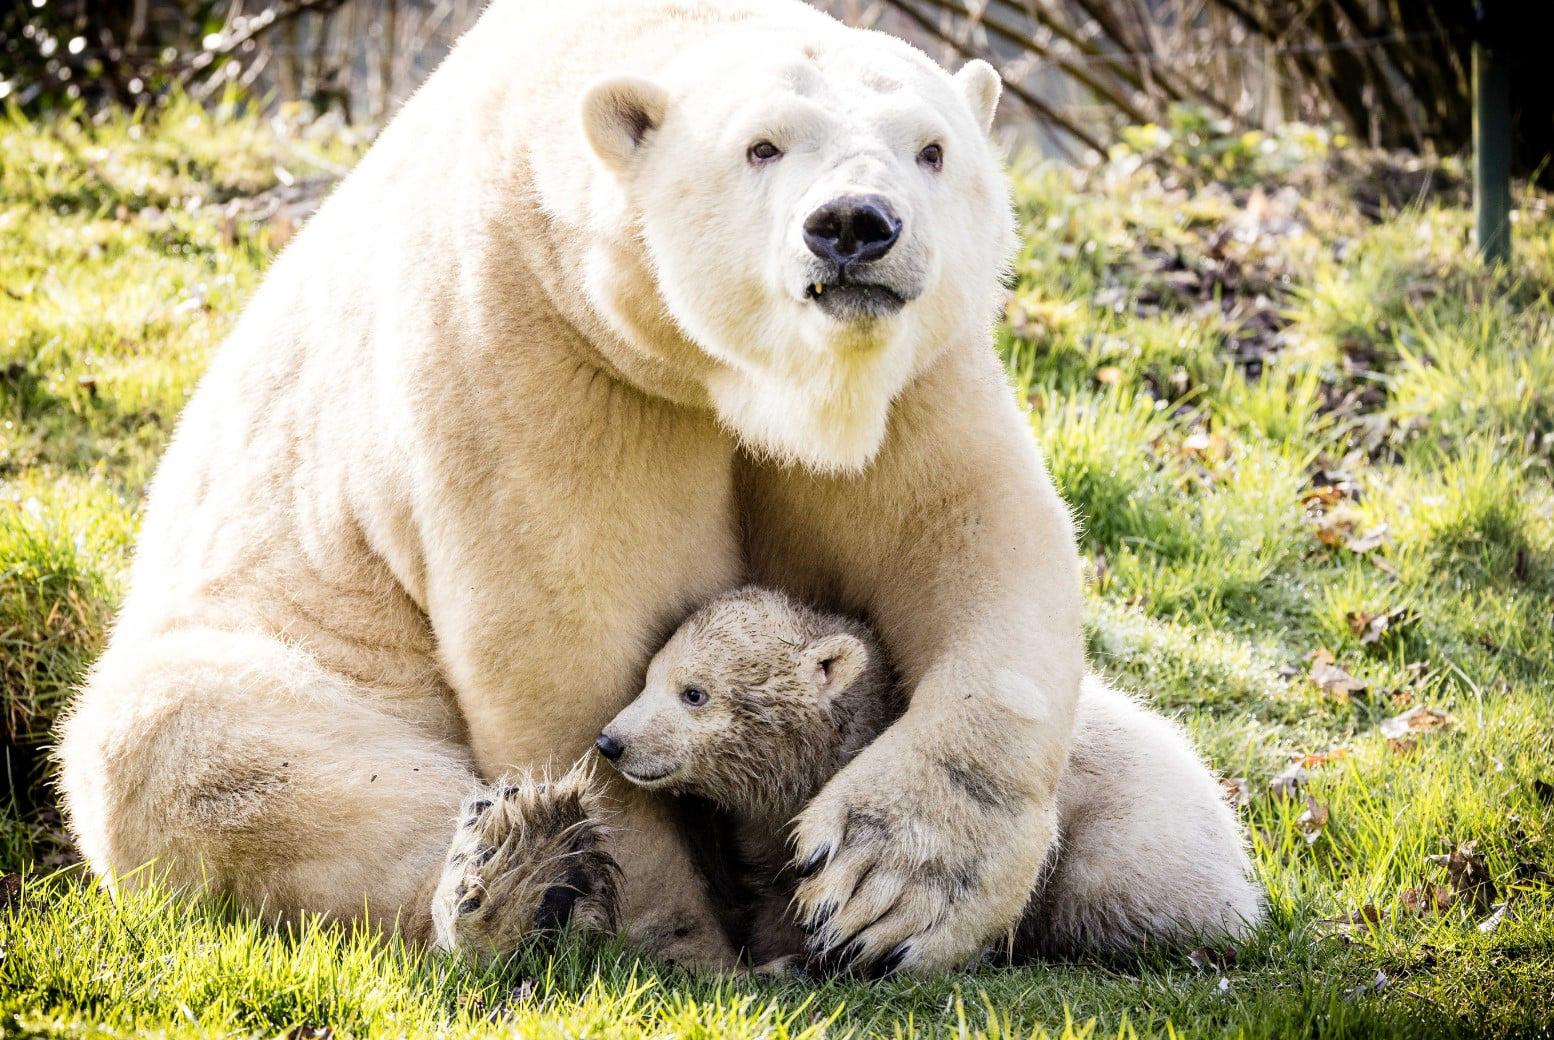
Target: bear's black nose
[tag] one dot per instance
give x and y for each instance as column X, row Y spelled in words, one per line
column 853, row 229
column 609, row 747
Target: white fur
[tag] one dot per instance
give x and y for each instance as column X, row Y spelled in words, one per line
column 522, row 393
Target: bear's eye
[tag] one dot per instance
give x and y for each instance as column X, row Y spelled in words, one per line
column 932, row 156
column 763, row 152
column 695, row 696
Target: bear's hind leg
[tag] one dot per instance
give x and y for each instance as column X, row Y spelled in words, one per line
column 1150, row 851
column 236, row 764
column 529, row 854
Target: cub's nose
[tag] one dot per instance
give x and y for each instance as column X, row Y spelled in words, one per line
column 609, row 747
column 852, row 229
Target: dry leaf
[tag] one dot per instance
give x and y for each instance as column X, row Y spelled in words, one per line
column 1428, row 898
column 1216, row 957
column 1341, row 528
column 1312, row 819
column 1371, row 627
column 1212, row 447
column 1332, row 677
column 1111, row 375
column 1289, row 783
column 1376, row 985
column 1469, row 876
column 1325, row 495
column 1367, row 915
column 1237, row 791
column 1364, row 543
column 1322, row 758
column 1494, row 920
column 1417, row 719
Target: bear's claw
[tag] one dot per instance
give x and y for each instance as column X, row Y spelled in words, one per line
column 527, row 857
column 888, row 889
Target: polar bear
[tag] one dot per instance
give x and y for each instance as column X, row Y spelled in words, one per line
column 757, row 701
column 633, row 301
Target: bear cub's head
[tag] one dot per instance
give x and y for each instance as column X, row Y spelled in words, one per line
column 753, row 704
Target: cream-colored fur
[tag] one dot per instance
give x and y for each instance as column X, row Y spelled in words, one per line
column 542, row 375
column 1150, row 850
column 755, row 702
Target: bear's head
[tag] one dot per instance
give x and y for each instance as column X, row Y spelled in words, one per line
column 746, row 705
column 820, row 213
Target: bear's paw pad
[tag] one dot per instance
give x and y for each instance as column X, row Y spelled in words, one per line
column 528, row 856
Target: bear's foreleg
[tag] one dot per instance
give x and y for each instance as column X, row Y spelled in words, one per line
column 955, row 544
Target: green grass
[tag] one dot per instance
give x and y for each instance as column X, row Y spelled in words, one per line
column 1274, row 419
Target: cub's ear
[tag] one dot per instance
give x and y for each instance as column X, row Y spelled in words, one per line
column 832, row 663
column 619, row 114
column 980, row 84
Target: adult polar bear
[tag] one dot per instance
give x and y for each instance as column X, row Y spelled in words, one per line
column 525, row 392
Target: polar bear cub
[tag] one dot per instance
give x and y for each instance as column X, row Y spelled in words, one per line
column 756, row 701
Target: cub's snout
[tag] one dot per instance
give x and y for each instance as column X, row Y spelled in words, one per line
column 609, row 747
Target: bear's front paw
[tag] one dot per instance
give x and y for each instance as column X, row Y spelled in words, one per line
column 914, row 862
column 528, row 856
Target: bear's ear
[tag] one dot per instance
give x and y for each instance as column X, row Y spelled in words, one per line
column 618, row 114
column 832, row 663
column 980, row 85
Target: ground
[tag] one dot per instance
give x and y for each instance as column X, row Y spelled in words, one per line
column 1310, row 442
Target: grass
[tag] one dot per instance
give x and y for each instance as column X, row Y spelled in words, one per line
column 1285, row 429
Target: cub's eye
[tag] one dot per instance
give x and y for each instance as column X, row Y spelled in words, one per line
column 695, row 696
column 932, row 156
column 763, row 152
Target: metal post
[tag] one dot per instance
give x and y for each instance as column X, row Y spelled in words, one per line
column 1492, row 151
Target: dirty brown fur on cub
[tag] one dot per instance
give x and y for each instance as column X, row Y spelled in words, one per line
column 754, row 704
column 756, row 701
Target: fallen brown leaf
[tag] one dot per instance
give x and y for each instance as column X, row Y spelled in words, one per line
column 1333, row 677
column 1428, row 898
column 1469, row 876
column 1367, row 541
column 1376, row 985
column 1237, row 791
column 1322, row 758
column 1312, row 820
column 1204, row 445
column 1217, row 957
column 1403, row 745
column 1289, row 783
column 1111, row 375
column 1340, row 528
column 1325, row 495
column 1367, row 915
column 1417, row 719
column 1494, row 920
column 1371, row 627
